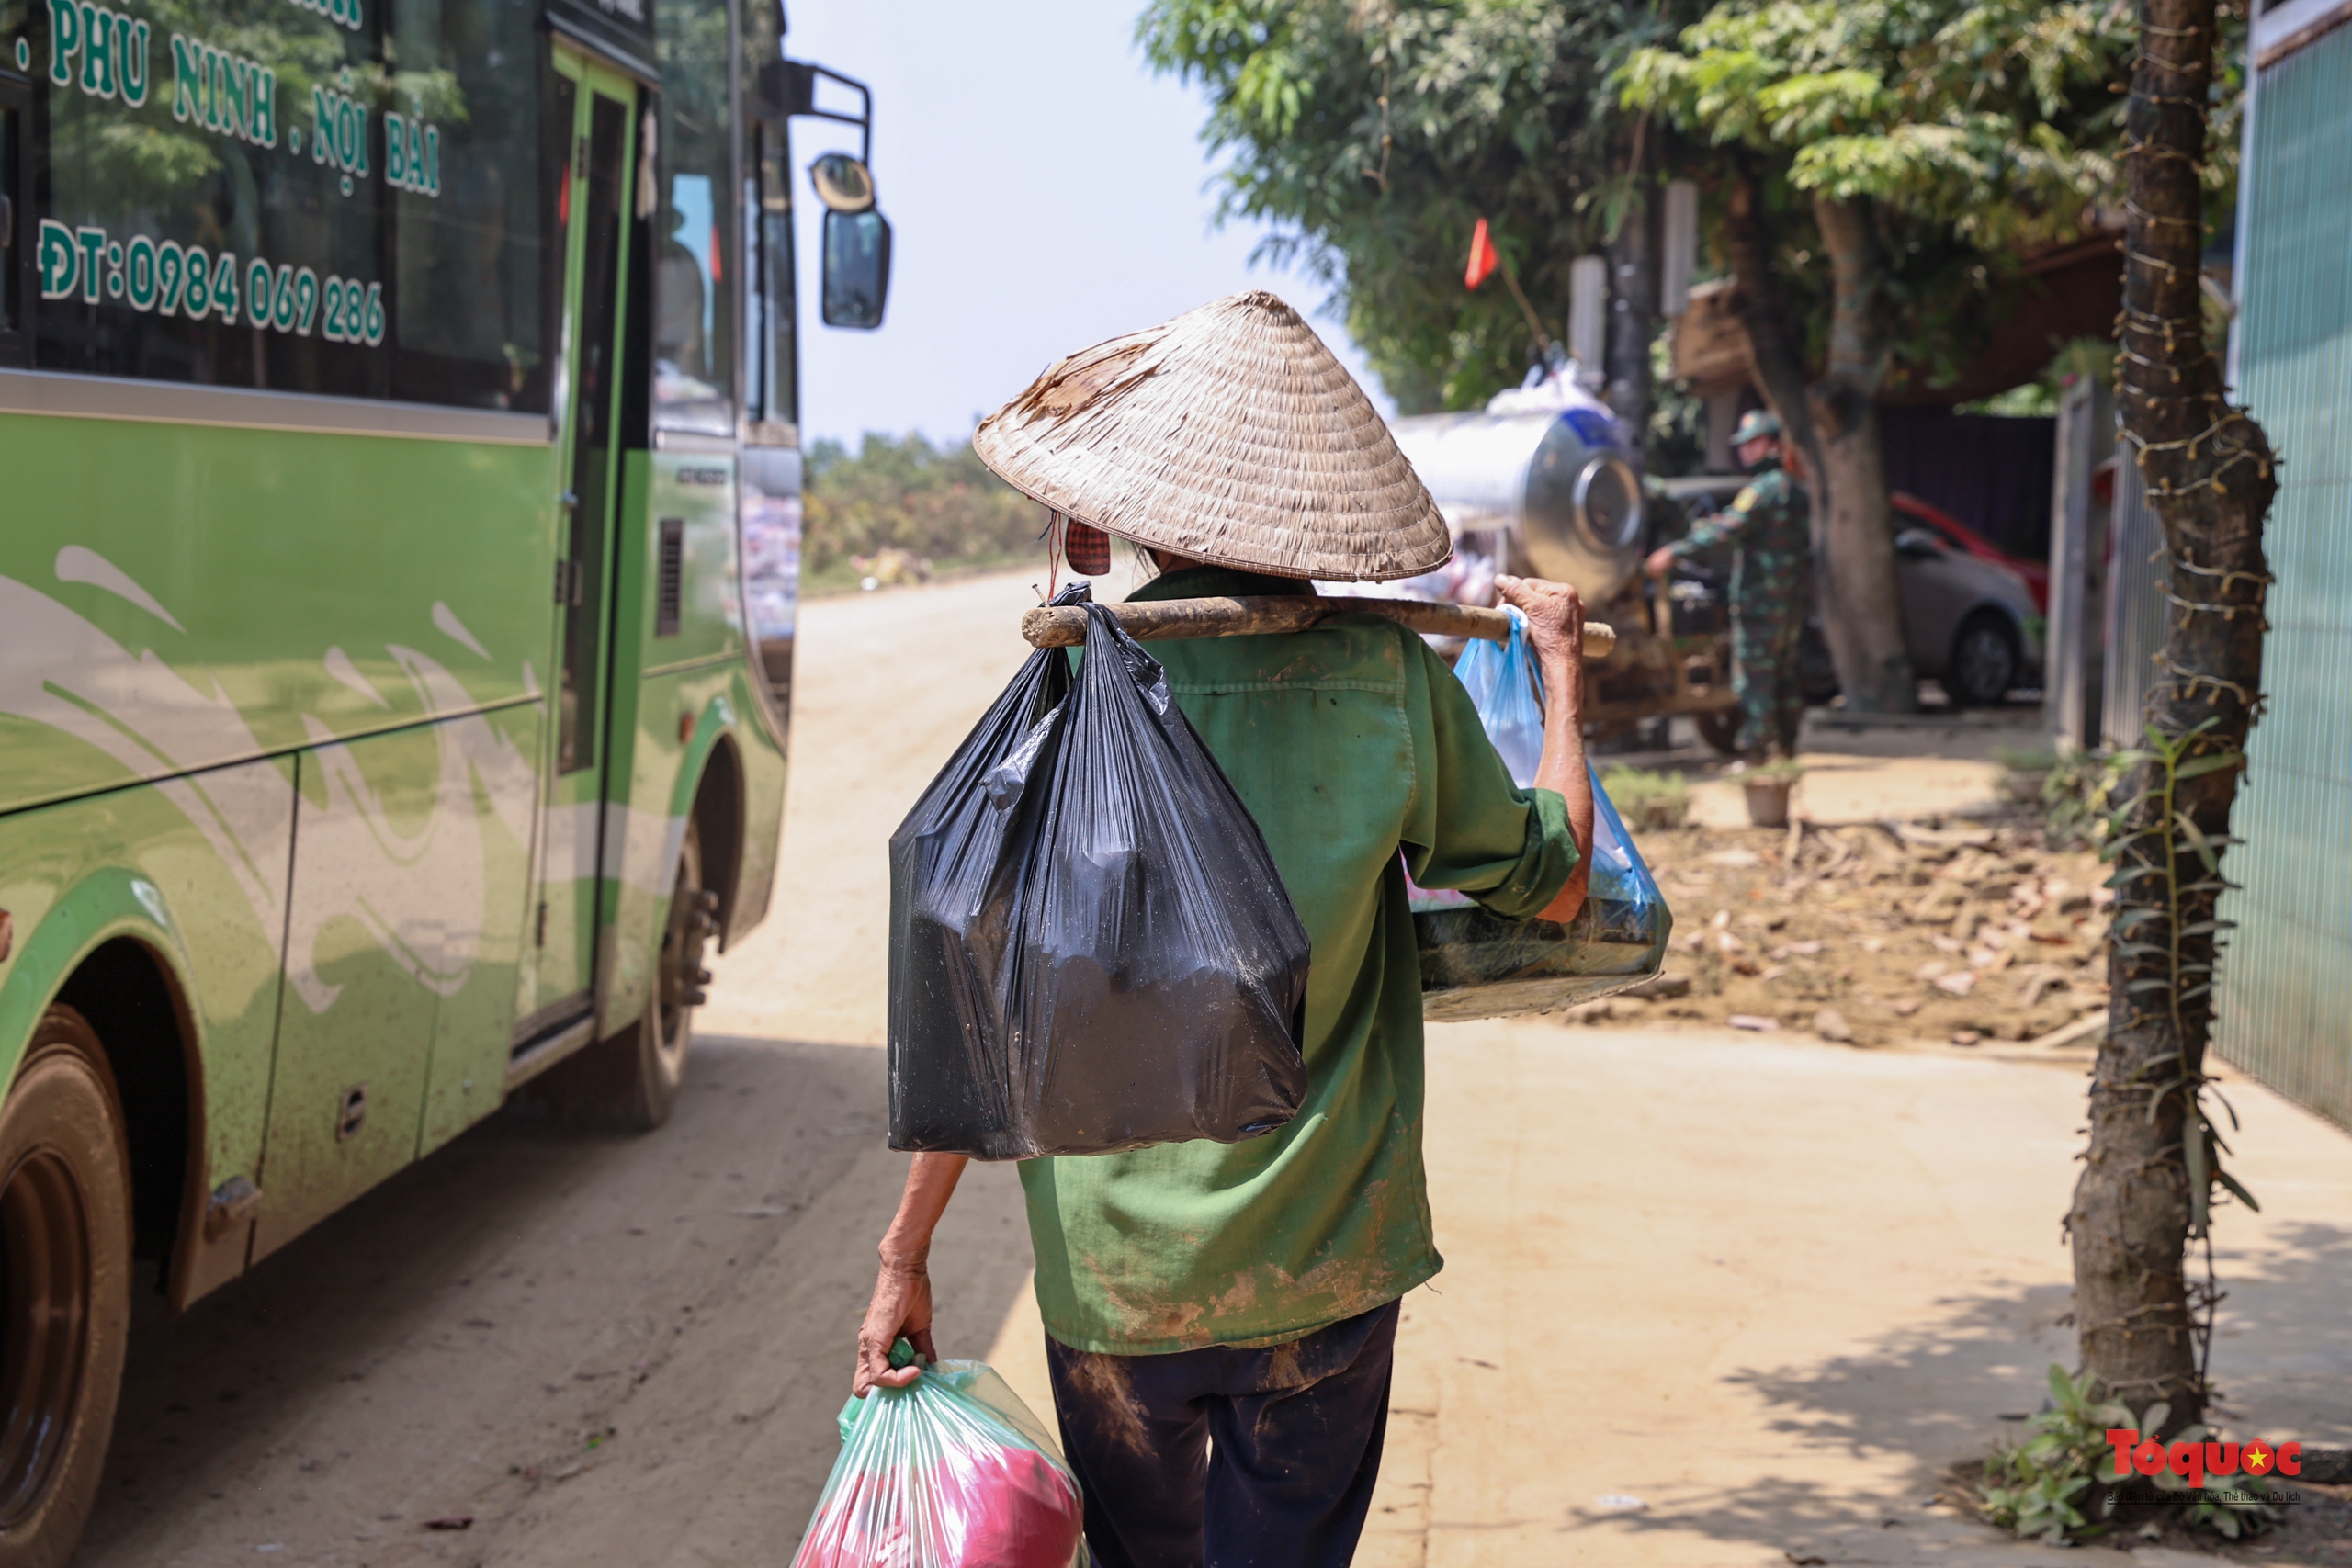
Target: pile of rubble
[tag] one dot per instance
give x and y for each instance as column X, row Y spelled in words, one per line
column 1960, row 933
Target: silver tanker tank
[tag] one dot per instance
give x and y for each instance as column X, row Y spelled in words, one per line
column 1558, row 480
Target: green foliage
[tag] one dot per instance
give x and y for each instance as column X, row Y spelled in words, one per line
column 2038, row 1485
column 1991, row 117
column 1647, row 800
column 1373, row 133
column 937, row 503
column 2074, row 797
column 1974, row 131
column 2080, row 360
column 2053, row 1485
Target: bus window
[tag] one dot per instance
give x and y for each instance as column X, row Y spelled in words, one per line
column 340, row 197
column 13, row 226
column 476, row 270
column 694, row 318
column 772, row 377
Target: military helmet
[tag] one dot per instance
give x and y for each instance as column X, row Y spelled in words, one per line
column 1754, row 426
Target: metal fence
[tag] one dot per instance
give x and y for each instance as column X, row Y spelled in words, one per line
column 2285, row 997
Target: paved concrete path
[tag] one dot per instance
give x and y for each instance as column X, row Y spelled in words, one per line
column 1771, row 1289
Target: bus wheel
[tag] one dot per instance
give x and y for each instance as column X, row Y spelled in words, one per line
column 64, row 1288
column 630, row 1080
column 668, row 1026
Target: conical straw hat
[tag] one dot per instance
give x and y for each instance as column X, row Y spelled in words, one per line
column 1229, row 434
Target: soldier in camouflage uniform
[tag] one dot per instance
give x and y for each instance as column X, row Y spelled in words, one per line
column 1770, row 523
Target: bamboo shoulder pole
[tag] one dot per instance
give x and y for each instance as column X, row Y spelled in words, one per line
column 1065, row 625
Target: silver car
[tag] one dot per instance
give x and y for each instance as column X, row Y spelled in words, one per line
column 1970, row 623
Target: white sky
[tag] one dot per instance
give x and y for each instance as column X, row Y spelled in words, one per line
column 1044, row 192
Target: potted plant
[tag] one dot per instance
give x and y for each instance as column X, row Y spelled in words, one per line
column 1766, row 786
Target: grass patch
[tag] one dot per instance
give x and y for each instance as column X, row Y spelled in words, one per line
column 1647, row 800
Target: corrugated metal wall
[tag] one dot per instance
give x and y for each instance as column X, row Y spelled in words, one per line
column 2285, row 1000
column 2136, row 608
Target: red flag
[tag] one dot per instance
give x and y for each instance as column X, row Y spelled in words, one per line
column 1483, row 260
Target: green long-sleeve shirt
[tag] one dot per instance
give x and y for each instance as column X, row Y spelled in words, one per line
column 1346, row 743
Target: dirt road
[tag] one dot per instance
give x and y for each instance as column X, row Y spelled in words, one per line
column 1711, row 1299
column 607, row 1351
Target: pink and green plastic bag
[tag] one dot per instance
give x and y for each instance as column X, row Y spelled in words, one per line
column 951, row 1472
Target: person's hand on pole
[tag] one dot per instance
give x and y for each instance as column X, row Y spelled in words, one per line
column 901, row 1305
column 1555, row 613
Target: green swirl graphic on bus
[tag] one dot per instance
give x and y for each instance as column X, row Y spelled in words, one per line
column 171, row 279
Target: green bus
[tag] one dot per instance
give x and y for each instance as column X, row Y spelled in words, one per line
column 398, row 540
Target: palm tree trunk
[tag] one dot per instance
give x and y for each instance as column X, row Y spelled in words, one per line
column 2147, row 1179
column 1862, row 597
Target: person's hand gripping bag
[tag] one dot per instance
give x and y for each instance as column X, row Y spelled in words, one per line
column 1474, row 964
column 1090, row 948
column 951, row 1472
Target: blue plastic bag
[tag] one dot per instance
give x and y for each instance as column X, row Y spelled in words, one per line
column 1508, row 690
column 1474, row 964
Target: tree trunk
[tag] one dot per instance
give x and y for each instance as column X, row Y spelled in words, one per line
column 1633, row 311
column 1772, row 347
column 2146, row 1179
column 1775, row 354
column 1862, row 601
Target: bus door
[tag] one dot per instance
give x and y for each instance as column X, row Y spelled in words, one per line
column 560, row 967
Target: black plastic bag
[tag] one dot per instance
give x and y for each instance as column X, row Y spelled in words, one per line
column 1090, row 948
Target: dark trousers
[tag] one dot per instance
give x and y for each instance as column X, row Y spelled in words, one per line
column 1226, row 1458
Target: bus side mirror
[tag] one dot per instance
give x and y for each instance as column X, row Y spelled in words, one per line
column 856, row 281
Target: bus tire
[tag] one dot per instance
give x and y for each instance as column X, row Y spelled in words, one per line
column 629, row 1081
column 64, row 1288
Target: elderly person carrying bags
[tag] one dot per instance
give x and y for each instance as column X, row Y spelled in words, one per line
column 1220, row 1318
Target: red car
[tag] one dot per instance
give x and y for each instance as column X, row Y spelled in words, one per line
column 1911, row 512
